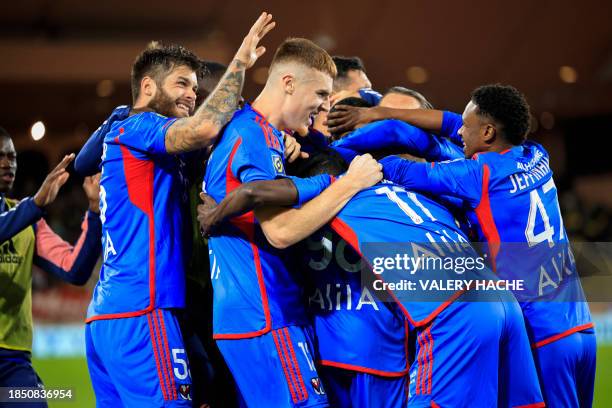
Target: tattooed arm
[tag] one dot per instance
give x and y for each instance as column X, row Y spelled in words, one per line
column 201, row 129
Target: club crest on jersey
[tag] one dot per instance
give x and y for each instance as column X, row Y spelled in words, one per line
column 278, row 164
column 317, row 386
column 185, row 391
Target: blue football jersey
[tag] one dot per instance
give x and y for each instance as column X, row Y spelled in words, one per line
column 355, row 329
column 512, row 198
column 256, row 287
column 142, row 199
column 387, row 220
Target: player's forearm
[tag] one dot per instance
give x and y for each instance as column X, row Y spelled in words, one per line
column 280, row 192
column 460, row 178
column 253, row 195
column 427, row 119
column 201, row 129
column 23, row 215
column 406, row 173
column 389, row 134
column 73, row 264
column 285, row 227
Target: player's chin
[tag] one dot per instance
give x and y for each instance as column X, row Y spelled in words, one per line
column 181, row 113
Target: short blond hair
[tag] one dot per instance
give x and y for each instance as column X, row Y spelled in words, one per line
column 304, row 52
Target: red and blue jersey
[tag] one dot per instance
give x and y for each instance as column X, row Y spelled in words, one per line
column 355, row 330
column 386, row 220
column 512, row 198
column 257, row 288
column 142, row 199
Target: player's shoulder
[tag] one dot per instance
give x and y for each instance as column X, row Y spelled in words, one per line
column 138, row 123
column 497, row 165
column 247, row 122
column 255, row 131
column 526, row 151
column 491, row 157
column 534, row 148
column 145, row 119
column 241, row 127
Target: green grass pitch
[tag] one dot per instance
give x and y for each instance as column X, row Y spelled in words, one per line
column 72, row 373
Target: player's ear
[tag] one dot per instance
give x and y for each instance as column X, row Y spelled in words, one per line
column 490, row 131
column 148, row 86
column 288, row 81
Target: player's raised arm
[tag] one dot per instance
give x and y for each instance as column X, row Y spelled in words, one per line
column 201, row 129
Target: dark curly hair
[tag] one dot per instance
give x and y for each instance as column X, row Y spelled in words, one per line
column 506, row 106
column 158, row 60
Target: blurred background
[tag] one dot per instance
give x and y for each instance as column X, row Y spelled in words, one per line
column 65, row 64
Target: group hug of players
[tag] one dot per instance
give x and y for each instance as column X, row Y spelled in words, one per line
column 292, row 202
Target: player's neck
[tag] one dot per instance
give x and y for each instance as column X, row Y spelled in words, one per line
column 270, row 107
column 500, row 147
column 140, row 106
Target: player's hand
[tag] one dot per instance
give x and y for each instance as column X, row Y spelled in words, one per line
column 364, row 171
column 293, row 150
column 302, row 131
column 345, row 118
column 53, row 182
column 206, row 213
column 249, row 51
column 91, row 185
